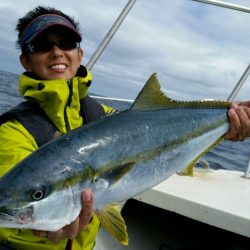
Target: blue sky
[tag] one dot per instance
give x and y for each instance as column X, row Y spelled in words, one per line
column 198, row 50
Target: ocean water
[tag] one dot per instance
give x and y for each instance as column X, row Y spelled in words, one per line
column 226, row 155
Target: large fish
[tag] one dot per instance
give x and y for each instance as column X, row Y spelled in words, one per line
column 117, row 157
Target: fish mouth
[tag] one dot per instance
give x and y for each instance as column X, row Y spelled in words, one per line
column 16, row 215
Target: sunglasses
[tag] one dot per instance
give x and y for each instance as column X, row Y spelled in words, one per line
column 46, row 46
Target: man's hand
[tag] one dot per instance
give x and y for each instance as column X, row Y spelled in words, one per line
column 72, row 230
column 239, row 117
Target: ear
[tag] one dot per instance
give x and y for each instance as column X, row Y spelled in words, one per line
column 24, row 59
column 80, row 55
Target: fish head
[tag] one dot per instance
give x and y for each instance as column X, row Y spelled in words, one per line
column 29, row 200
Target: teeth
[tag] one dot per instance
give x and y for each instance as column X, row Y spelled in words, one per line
column 58, row 66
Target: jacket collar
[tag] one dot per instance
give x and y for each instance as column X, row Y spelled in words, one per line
column 57, row 97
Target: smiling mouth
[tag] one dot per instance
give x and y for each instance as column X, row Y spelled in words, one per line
column 58, row 67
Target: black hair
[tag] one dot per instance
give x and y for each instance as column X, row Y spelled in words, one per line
column 39, row 11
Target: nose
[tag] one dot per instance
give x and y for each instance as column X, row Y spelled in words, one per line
column 56, row 51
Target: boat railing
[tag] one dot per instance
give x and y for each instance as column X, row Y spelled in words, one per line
column 125, row 12
column 225, row 5
column 104, row 43
column 246, row 175
column 231, row 98
column 247, row 71
column 239, row 84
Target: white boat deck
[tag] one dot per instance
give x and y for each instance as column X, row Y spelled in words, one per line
column 208, row 211
column 217, row 197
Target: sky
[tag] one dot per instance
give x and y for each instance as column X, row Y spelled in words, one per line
column 198, row 51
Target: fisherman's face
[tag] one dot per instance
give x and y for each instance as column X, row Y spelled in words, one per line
column 55, row 57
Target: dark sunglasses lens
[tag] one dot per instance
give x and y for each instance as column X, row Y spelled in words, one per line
column 67, row 44
column 43, row 46
column 46, row 46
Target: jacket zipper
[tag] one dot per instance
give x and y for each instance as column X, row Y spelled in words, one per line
column 66, row 120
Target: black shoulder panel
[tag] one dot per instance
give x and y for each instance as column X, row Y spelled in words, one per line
column 91, row 109
column 33, row 118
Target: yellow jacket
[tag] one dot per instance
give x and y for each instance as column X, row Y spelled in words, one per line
column 16, row 143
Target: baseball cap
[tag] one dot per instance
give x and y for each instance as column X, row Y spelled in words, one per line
column 42, row 23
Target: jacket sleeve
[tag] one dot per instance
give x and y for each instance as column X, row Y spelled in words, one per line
column 15, row 144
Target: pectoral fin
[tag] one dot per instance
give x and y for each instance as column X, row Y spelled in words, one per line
column 111, row 219
column 117, row 173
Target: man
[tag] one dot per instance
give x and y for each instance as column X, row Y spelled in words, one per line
column 56, row 85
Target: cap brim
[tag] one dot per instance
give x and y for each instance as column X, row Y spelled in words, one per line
column 44, row 22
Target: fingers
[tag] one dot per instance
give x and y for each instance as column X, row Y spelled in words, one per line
column 82, row 221
column 244, row 117
column 87, row 211
column 239, row 117
column 42, row 234
column 235, row 126
column 246, row 104
column 56, row 236
column 68, row 232
column 73, row 229
column 53, row 236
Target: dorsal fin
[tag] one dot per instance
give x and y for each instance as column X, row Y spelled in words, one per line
column 152, row 97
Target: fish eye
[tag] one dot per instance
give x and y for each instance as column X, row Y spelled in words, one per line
column 37, row 195
column 38, row 192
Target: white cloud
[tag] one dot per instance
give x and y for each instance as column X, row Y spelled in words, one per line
column 198, row 50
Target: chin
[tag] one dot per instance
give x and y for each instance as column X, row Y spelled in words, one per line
column 60, row 76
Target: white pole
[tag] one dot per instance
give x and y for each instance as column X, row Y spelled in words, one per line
column 231, row 98
column 110, row 34
column 225, row 5
column 247, row 71
column 239, row 84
